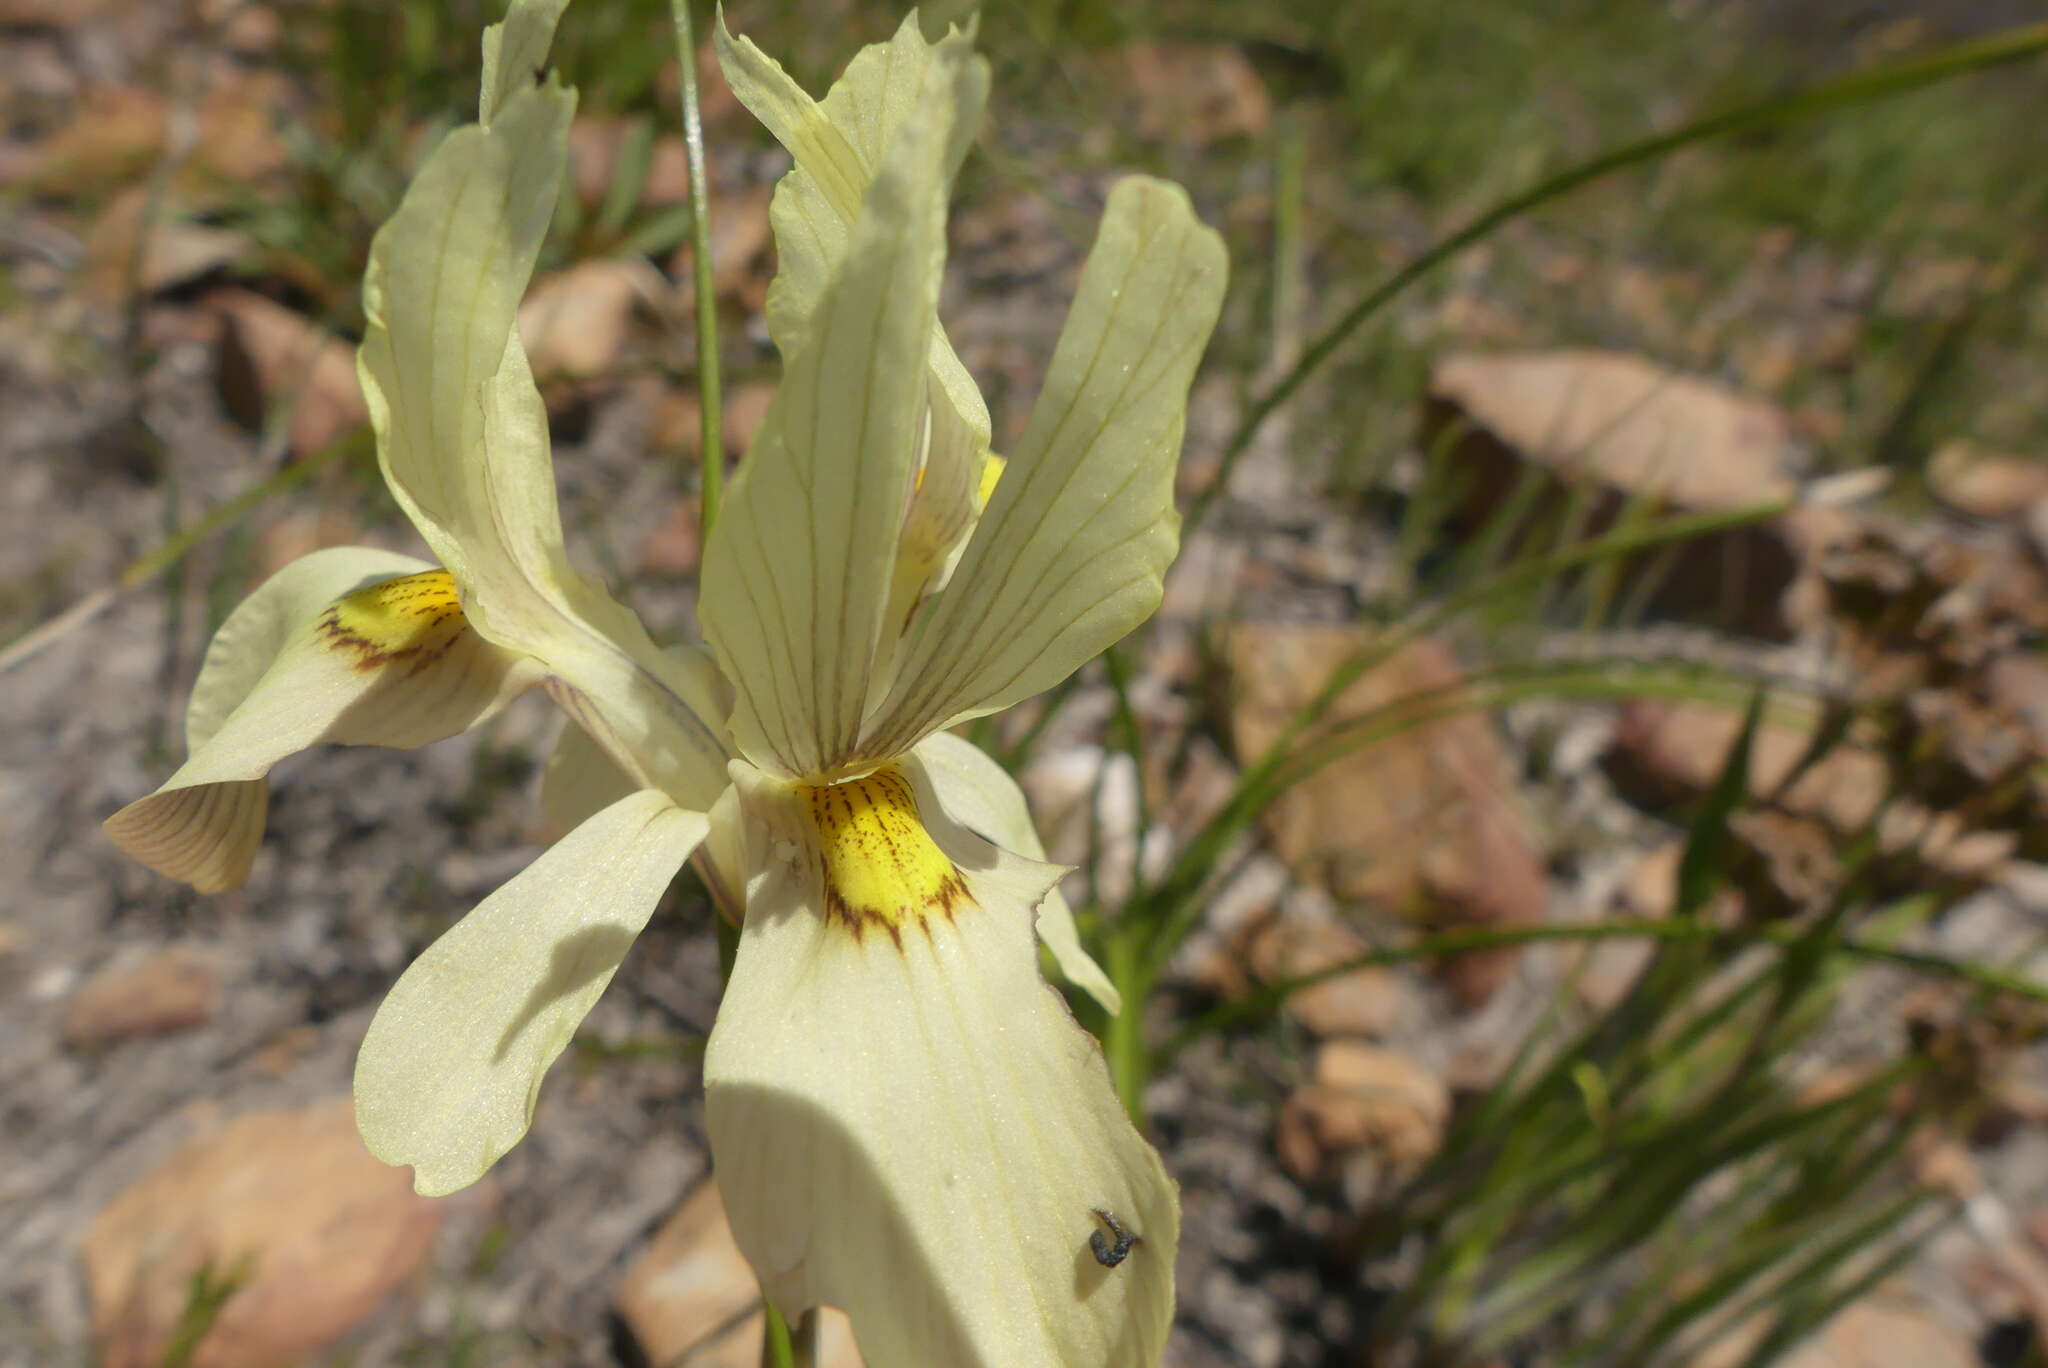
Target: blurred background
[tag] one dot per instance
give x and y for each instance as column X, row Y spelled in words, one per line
column 1567, row 843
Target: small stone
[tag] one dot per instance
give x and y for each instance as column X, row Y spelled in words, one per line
column 1664, row 753
column 1601, row 973
column 691, row 1296
column 1369, row 1001
column 674, row 547
column 1365, row 1100
column 1196, row 93
column 1984, row 483
column 288, row 1207
column 1881, row 1331
column 172, row 990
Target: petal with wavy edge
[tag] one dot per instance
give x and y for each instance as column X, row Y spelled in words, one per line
column 920, row 1135
column 837, row 144
column 978, row 794
column 797, row 572
column 295, row 666
column 462, row 431
column 516, row 52
column 453, row 1061
column 1074, row 547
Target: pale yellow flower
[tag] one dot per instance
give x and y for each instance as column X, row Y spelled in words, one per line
column 905, row 1120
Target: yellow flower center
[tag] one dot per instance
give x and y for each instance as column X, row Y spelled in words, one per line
column 882, row 867
column 413, row 618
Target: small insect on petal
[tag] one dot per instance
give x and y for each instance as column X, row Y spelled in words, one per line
column 1107, row 1254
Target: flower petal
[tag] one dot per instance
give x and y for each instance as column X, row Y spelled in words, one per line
column 451, row 1066
column 578, row 781
column 912, row 1128
column 977, row 794
column 838, row 144
column 1071, row 553
column 313, row 656
column 462, row 432
column 797, row 573
column 581, row 777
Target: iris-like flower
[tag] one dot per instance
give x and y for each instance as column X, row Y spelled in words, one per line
column 906, row 1122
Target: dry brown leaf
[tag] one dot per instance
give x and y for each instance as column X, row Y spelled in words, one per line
column 1984, row 483
column 174, row 250
column 575, row 322
column 1424, row 823
column 271, row 357
column 1624, row 431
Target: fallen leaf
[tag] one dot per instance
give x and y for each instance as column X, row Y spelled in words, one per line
column 271, row 357
column 1368, row 1002
column 575, row 322
column 1424, row 823
column 173, row 251
column 1363, row 1101
column 1626, row 431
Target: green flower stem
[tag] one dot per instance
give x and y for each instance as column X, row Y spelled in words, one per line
column 1846, row 92
column 708, row 401
column 776, row 1349
column 1262, row 1000
column 1123, row 1040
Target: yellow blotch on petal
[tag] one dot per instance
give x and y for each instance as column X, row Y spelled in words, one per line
column 992, row 468
column 414, row 618
column 881, row 866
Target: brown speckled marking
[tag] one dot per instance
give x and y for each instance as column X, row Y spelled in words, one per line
column 880, row 866
column 414, row 618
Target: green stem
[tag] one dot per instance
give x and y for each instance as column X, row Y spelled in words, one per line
column 1123, row 1040
column 776, row 1349
column 1857, row 88
column 708, row 402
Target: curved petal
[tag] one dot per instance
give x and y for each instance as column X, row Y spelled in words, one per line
column 912, row 1127
column 347, row 646
column 462, row 431
column 977, row 794
column 581, row 777
column 451, row 1066
column 1072, row 551
column 797, row 573
column 837, row 144
column 577, row 781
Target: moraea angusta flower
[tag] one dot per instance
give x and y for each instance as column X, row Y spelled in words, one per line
column 905, row 1120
